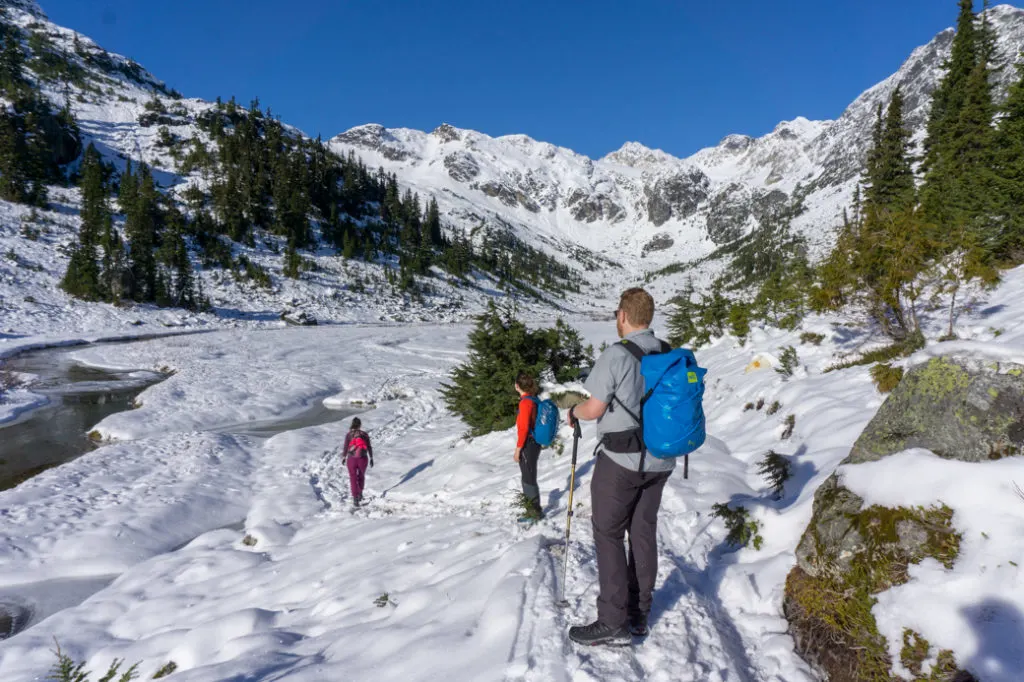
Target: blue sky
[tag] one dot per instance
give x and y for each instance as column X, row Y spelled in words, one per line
column 588, row 75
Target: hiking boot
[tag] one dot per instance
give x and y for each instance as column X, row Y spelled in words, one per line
column 599, row 633
column 638, row 625
column 356, row 501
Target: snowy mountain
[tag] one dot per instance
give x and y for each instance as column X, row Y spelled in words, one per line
column 645, row 208
column 616, row 219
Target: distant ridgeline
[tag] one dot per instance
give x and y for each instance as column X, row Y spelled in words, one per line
column 247, row 177
column 924, row 222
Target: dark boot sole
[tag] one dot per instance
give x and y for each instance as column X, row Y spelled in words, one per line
column 604, row 642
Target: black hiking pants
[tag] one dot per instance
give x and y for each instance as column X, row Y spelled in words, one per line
column 528, row 466
column 624, row 500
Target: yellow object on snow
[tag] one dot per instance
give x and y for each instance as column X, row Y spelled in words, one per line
column 761, row 361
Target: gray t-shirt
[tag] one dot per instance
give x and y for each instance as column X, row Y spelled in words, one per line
column 617, row 373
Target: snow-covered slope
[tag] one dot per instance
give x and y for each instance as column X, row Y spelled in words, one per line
column 645, row 208
column 109, row 95
column 235, row 557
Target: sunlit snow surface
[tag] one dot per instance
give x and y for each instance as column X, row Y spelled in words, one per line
column 136, row 550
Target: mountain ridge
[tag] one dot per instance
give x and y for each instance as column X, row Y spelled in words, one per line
column 648, row 208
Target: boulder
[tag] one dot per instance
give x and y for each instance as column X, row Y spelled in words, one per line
column 299, row 318
column 959, row 408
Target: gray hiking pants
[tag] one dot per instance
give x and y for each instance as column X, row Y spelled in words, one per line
column 624, row 500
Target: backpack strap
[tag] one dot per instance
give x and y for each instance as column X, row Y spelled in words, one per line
column 536, row 408
column 639, row 353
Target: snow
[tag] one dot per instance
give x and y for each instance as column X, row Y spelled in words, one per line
column 136, row 550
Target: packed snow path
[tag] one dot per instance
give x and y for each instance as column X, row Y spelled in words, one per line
column 238, row 557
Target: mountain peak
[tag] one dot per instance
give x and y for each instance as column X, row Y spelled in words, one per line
column 447, row 133
column 635, row 154
column 30, row 6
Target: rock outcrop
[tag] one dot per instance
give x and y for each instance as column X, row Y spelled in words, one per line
column 957, row 407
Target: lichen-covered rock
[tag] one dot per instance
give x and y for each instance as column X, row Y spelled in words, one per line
column 957, row 407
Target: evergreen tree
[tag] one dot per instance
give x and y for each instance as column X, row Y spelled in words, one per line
column 960, row 127
column 890, row 175
column 142, row 227
column 173, row 255
column 1009, row 173
column 482, row 389
column 14, row 183
column 83, row 276
column 882, row 251
column 739, row 321
column 12, row 62
column 432, row 224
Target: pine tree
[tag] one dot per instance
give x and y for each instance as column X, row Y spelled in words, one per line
column 959, row 127
column 14, row 183
column 178, row 274
column 83, row 276
column 500, row 346
column 432, row 224
column 890, row 175
column 142, row 227
column 1009, row 173
column 882, row 251
column 12, row 62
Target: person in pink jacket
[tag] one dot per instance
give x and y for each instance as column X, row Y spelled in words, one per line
column 358, row 452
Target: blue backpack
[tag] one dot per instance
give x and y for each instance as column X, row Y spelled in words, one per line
column 671, row 415
column 546, row 425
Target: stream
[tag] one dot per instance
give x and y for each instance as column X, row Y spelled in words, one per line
column 79, row 398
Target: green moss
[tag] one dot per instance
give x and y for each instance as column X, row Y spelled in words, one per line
column 880, row 528
column 886, row 377
column 833, row 609
column 915, row 652
column 1015, row 372
column 993, row 392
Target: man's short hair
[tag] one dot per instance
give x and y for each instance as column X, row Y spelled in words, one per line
column 638, row 306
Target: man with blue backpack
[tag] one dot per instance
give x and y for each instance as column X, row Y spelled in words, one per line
column 536, row 425
column 646, row 399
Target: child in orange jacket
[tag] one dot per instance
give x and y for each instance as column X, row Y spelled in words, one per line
column 527, row 449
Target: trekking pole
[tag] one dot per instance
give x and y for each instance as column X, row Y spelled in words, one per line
column 577, row 434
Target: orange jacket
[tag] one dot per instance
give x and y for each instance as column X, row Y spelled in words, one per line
column 524, row 422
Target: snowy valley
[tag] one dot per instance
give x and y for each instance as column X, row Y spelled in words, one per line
column 208, row 532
